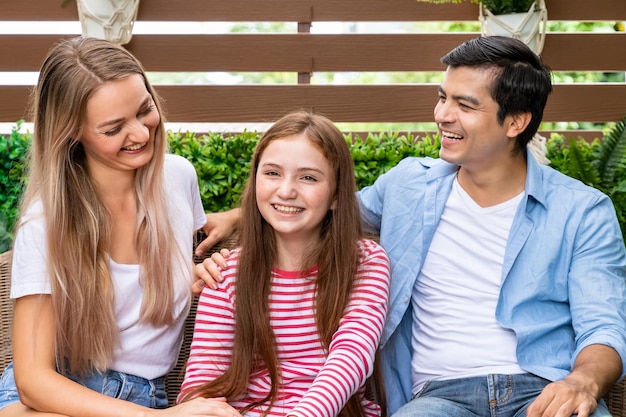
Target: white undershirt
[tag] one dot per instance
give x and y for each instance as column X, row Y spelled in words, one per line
column 455, row 333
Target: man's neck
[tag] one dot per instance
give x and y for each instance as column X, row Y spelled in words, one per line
column 488, row 187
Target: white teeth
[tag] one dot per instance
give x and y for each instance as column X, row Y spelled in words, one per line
column 286, row 209
column 451, row 135
column 133, row 147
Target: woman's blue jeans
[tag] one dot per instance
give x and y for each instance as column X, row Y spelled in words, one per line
column 489, row 396
column 149, row 393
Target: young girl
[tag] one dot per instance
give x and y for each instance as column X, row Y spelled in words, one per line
column 102, row 259
column 293, row 328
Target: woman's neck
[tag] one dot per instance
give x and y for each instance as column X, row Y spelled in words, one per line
column 117, row 193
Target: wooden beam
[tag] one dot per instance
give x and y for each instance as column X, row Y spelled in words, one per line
column 348, row 103
column 309, row 53
column 13, row 103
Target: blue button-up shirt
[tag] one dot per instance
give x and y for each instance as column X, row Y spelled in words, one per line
column 564, row 272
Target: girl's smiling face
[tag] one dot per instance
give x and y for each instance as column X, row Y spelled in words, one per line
column 295, row 188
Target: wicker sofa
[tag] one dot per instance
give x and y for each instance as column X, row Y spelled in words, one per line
column 616, row 399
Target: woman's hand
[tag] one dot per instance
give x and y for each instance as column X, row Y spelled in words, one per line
column 218, row 227
column 205, row 407
column 208, row 271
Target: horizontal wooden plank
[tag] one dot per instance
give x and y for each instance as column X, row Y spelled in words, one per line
column 259, row 52
column 309, row 10
column 352, row 103
column 587, row 102
column 13, row 102
column 317, row 53
column 298, row 52
column 370, row 103
column 585, row 51
column 27, row 52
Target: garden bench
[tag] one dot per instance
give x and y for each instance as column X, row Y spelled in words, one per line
column 616, row 399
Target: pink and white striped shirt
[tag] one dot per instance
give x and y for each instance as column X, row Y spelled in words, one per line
column 314, row 384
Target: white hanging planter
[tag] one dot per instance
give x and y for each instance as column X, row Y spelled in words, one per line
column 530, row 27
column 108, row 19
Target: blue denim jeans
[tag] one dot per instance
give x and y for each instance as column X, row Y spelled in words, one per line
column 149, row 393
column 489, row 396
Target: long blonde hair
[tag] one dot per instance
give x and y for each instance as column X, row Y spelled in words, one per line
column 77, row 222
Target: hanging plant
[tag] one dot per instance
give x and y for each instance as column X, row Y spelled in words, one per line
column 495, row 6
column 521, row 19
column 112, row 20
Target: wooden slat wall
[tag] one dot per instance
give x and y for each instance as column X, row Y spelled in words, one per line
column 307, row 53
column 309, row 10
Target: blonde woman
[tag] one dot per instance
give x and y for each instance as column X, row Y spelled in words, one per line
column 102, row 268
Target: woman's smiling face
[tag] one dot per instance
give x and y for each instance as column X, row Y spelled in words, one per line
column 120, row 126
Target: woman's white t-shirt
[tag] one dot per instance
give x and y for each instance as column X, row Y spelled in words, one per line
column 144, row 350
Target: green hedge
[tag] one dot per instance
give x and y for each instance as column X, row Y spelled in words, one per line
column 13, row 150
column 223, row 161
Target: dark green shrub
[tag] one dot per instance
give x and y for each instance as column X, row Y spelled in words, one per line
column 222, row 162
column 377, row 153
column 600, row 164
column 13, row 149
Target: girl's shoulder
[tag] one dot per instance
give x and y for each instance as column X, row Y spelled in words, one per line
column 374, row 270
column 371, row 249
column 369, row 244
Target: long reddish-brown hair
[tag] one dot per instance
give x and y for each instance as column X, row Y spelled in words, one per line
column 336, row 257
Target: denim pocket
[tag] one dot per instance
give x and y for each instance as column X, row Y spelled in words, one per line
column 112, row 386
column 8, row 389
column 159, row 400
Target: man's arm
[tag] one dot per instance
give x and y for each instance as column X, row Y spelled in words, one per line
column 596, row 369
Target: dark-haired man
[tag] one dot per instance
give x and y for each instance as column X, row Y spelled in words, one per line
column 508, row 282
